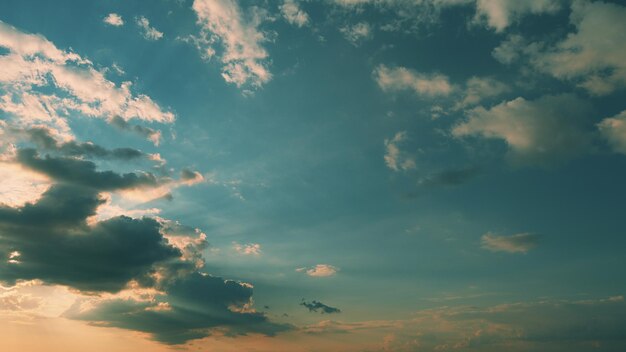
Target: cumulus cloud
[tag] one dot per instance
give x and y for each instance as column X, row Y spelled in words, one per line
column 150, row 134
column 593, row 56
column 244, row 59
column 294, row 14
column 357, row 33
column 499, row 14
column 518, row 243
column 113, row 19
column 395, row 158
column 549, row 128
column 60, row 224
column 613, row 129
column 400, row 78
column 147, row 31
column 316, row 306
column 189, row 309
column 320, row 270
column 72, row 84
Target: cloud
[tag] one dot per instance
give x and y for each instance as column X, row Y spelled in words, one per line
column 400, row 78
column 83, row 172
column 190, row 308
column 147, row 31
column 549, row 128
column 244, row 59
column 114, row 19
column 57, row 246
column 41, row 85
column 43, row 138
column 499, row 14
column 546, row 325
column 518, row 243
column 150, row 134
column 593, row 56
column 356, row 33
column 293, row 13
column 63, row 224
column 396, row 159
column 613, row 129
column 316, row 306
column 248, row 248
column 480, row 88
column 320, row 270
column 451, row 177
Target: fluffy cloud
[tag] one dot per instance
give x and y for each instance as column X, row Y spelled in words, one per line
column 499, row 14
column 320, row 270
column 613, row 129
column 188, row 309
column 593, row 56
column 33, row 63
column 147, row 31
column 400, row 78
column 60, row 224
column 113, row 19
column 396, row 159
column 518, row 243
column 316, row 306
column 294, row 14
column 244, row 58
column 548, row 128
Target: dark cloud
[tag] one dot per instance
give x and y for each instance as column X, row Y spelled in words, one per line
column 316, row 306
column 188, row 175
column 83, row 172
column 44, row 140
column 191, row 307
column 56, row 245
column 146, row 132
column 451, row 177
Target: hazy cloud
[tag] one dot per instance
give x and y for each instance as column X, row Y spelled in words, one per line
column 518, row 243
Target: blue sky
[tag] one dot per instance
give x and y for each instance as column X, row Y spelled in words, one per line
column 349, row 175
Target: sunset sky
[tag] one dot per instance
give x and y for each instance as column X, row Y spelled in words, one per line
column 313, row 175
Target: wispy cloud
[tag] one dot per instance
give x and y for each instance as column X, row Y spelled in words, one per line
column 147, row 31
column 395, row 158
column 518, row 243
column 319, row 270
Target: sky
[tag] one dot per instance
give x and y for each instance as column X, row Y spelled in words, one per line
column 314, row 175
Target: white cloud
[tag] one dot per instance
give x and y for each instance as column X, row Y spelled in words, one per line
column 499, row 14
column 147, row 31
column 34, row 62
column 547, row 128
column 613, row 129
column 594, row 55
column 244, row 59
column 395, row 158
column 400, row 78
column 114, row 19
column 247, row 249
column 320, row 270
column 294, row 14
column 356, row 33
